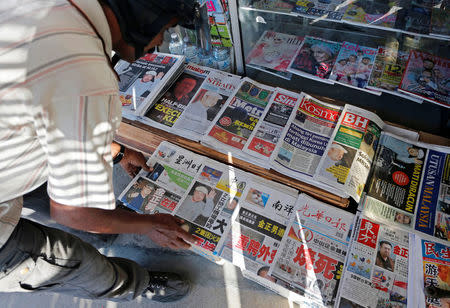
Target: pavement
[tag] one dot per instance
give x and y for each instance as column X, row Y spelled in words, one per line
column 213, row 285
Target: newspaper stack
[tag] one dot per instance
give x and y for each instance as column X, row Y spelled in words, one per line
column 142, row 81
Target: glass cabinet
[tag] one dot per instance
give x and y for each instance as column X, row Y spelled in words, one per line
column 268, row 36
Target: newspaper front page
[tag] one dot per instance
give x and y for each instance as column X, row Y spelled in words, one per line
column 267, row 132
column 349, row 155
column 258, row 225
column 312, row 254
column 168, row 109
column 206, row 104
column 376, row 270
column 409, row 186
column 430, row 273
column 231, row 129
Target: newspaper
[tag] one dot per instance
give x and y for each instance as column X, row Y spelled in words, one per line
column 333, row 9
column 429, row 273
column 206, row 104
column 231, row 129
column 274, row 51
column 409, row 186
column 376, row 269
column 267, row 132
column 304, row 139
column 311, row 257
column 388, row 70
column 353, row 66
column 426, row 76
column 168, row 109
column 258, row 225
column 198, row 190
column 315, row 58
column 350, row 153
column 141, row 81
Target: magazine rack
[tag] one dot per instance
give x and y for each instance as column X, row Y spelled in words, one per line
column 251, row 18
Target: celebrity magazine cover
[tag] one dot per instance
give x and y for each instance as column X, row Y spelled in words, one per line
column 142, row 80
column 315, row 58
column 428, row 77
column 274, row 51
column 353, row 65
column 379, row 12
column 330, row 9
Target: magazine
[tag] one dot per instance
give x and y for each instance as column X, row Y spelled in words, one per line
column 440, row 20
column 332, row 9
column 388, row 70
column 372, row 13
column 353, row 66
column 230, row 130
column 376, row 269
column 274, row 51
column 312, row 254
column 429, row 273
column 415, row 19
column 427, row 77
column 142, row 81
column 284, row 6
column 209, row 100
column 167, row 110
column 258, row 225
column 409, row 187
column 315, row 58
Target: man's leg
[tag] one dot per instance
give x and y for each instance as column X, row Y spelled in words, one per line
column 39, row 258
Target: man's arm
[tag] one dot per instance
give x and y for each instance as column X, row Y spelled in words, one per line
column 163, row 229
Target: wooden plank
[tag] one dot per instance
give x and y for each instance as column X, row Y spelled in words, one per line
column 146, row 139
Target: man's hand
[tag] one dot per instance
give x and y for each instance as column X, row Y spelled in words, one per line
column 165, row 231
column 133, row 161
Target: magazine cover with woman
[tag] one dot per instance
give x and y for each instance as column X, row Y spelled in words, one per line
column 427, row 76
column 315, row 58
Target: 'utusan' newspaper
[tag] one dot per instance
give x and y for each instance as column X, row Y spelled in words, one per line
column 409, row 186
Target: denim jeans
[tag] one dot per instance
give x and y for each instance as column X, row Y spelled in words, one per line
column 40, row 258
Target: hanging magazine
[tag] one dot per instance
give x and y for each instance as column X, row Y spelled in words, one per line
column 332, row 9
column 353, row 66
column 315, row 58
column 428, row 77
column 388, row 70
column 142, row 81
column 372, row 13
column 274, row 51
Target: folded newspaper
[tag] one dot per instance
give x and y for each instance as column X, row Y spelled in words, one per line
column 143, row 80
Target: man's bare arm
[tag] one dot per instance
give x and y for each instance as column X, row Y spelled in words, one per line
column 163, row 229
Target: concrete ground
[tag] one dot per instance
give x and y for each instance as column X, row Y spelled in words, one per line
column 212, row 285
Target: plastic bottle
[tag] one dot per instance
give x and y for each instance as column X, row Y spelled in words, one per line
column 175, row 45
column 190, row 51
column 222, row 58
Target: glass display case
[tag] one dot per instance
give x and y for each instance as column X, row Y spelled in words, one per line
column 268, row 38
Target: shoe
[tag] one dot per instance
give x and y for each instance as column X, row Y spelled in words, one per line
column 166, row 287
